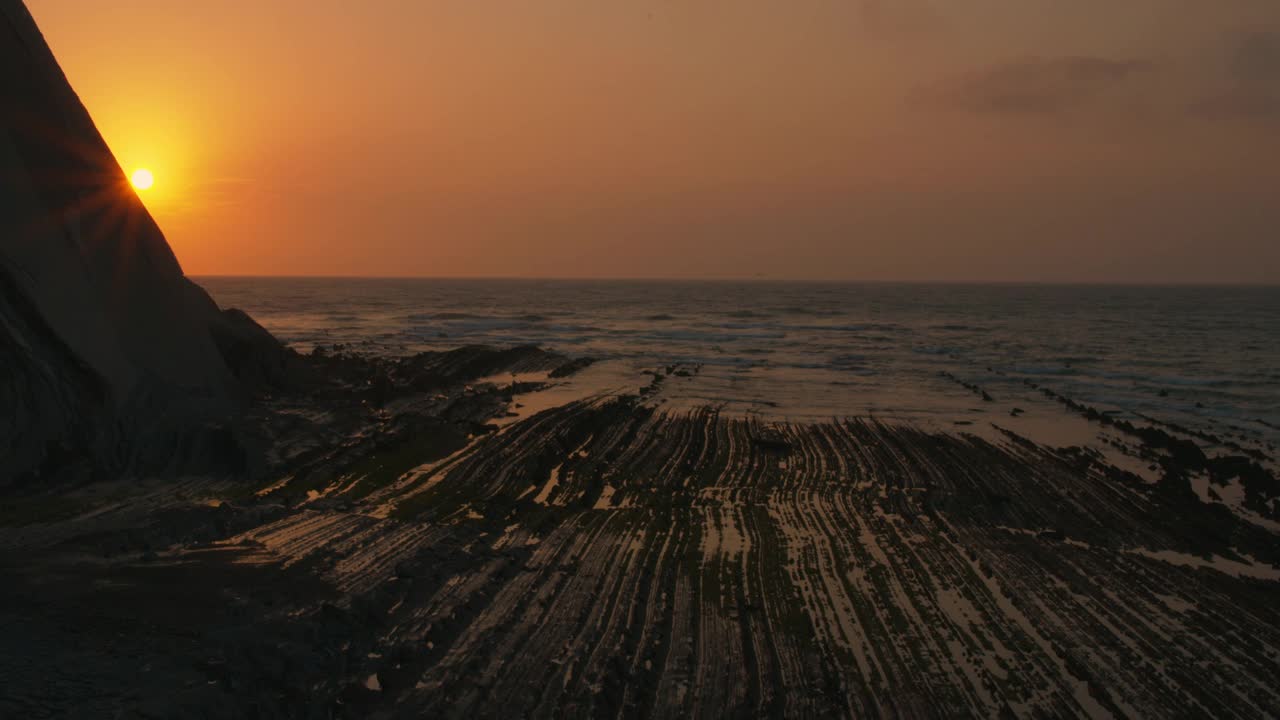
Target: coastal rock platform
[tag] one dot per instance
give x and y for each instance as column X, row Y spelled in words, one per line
column 607, row 558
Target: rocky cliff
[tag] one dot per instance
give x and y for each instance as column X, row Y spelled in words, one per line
column 110, row 358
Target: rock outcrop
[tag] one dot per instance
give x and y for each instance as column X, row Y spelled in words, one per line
column 109, row 355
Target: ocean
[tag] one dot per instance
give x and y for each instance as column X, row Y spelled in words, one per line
column 1206, row 358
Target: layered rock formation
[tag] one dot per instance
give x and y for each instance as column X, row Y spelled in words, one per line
column 110, row 358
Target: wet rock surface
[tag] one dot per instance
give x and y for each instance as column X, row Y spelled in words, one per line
column 403, row 556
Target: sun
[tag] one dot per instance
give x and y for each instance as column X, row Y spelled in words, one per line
column 142, row 179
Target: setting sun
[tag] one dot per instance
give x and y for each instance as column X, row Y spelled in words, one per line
column 142, row 179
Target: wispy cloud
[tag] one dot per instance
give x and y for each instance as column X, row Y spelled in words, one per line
column 1041, row 85
column 1248, row 85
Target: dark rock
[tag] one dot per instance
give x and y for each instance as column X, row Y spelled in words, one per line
column 257, row 359
column 103, row 339
column 770, row 440
column 571, row 367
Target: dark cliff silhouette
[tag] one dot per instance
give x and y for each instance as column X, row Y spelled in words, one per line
column 111, row 360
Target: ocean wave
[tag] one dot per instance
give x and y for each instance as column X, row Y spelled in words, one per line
column 714, row 334
column 812, row 312
column 740, row 326
column 1077, row 360
column 1045, row 370
column 579, row 329
column 455, row 316
column 860, row 327
column 447, row 316
column 1157, row 381
column 701, row 336
column 448, row 340
column 936, row 350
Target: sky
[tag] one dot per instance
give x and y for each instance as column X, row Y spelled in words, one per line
column 915, row 140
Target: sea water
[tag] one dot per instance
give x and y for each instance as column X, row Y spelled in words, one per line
column 1207, row 358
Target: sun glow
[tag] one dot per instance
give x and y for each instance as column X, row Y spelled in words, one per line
column 142, row 179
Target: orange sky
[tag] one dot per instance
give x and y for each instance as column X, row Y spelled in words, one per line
column 832, row 139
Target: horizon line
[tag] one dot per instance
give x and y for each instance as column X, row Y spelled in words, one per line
column 749, row 279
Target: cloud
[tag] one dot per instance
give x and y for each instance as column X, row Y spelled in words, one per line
column 1248, row 86
column 1255, row 58
column 1041, row 85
